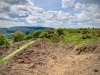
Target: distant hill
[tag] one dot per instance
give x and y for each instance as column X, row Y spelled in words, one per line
column 24, row 29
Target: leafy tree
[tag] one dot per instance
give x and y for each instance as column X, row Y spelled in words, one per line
column 60, row 31
column 7, row 43
column 37, row 33
column 43, row 34
column 2, row 39
column 33, row 34
column 48, row 33
column 18, row 36
column 27, row 37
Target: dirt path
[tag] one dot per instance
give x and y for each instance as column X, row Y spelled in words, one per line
column 45, row 59
column 16, row 51
column 75, row 65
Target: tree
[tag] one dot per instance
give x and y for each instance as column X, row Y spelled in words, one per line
column 47, row 34
column 27, row 37
column 60, row 31
column 7, row 43
column 18, row 36
column 37, row 33
column 2, row 39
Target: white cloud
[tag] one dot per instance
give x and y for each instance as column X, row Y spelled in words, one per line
column 23, row 12
column 90, row 1
column 4, row 15
column 79, row 6
column 3, row 4
column 67, row 3
column 94, row 8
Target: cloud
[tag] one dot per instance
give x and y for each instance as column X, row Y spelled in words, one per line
column 94, row 8
column 89, row 1
column 24, row 12
column 79, row 6
column 16, row 12
column 86, row 12
column 67, row 3
column 18, row 2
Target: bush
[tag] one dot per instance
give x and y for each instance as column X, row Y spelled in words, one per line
column 60, row 31
column 36, row 34
column 7, row 43
column 78, row 31
column 44, row 35
column 18, row 36
column 98, row 33
column 86, row 36
column 27, row 37
column 85, row 32
column 56, row 39
column 4, row 41
column 48, row 34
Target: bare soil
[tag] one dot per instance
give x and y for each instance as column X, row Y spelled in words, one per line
column 4, row 50
column 45, row 59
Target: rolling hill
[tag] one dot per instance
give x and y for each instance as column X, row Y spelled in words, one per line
column 24, row 29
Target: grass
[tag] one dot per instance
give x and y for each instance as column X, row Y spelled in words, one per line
column 76, row 38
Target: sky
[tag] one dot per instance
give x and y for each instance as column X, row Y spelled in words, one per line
column 50, row 13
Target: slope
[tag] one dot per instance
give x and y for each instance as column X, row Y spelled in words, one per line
column 42, row 58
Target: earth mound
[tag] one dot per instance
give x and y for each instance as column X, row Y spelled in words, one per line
column 92, row 48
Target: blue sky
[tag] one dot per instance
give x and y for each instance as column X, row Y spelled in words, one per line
column 50, row 13
column 54, row 5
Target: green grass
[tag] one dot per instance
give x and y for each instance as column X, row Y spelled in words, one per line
column 76, row 38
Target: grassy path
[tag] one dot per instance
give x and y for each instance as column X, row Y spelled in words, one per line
column 6, row 58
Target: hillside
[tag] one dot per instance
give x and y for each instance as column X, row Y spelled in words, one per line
column 46, row 59
column 54, row 52
column 24, row 29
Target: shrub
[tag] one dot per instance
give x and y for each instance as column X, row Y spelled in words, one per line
column 36, row 34
column 56, row 39
column 98, row 33
column 78, row 31
column 85, row 32
column 27, row 37
column 60, row 31
column 86, row 36
column 7, row 43
column 2, row 39
column 18, row 36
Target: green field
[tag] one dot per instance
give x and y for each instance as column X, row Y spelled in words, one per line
column 77, row 37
